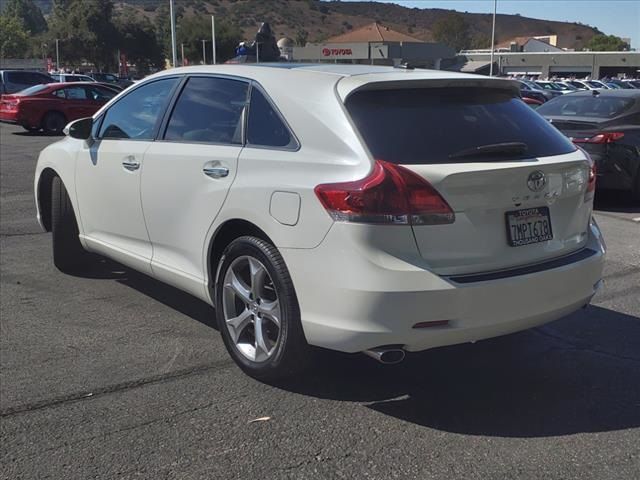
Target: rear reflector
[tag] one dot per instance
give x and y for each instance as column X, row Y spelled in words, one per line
column 391, row 195
column 607, row 137
column 434, row 323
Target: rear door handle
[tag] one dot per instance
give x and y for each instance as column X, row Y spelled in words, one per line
column 130, row 163
column 216, row 172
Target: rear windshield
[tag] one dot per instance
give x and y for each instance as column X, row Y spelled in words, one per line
column 428, row 125
column 597, row 106
column 32, row 90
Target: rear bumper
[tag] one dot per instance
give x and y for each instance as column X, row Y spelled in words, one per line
column 352, row 300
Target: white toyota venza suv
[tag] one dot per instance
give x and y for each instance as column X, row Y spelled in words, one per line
column 356, row 208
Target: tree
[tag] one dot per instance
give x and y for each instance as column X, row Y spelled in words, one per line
column 453, row 31
column 28, row 13
column 607, row 43
column 86, row 31
column 137, row 40
column 301, row 37
column 13, row 38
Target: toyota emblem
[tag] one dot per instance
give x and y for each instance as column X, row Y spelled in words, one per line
column 536, row 181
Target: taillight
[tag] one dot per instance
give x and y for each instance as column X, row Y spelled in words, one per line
column 607, row 137
column 391, row 195
column 11, row 104
column 591, row 184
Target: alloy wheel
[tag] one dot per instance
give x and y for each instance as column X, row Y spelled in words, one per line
column 251, row 309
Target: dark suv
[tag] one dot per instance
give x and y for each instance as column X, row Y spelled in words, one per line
column 12, row 81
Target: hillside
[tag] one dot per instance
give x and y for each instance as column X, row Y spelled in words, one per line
column 322, row 19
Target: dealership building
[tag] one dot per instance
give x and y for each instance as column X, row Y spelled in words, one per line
column 373, row 44
column 543, row 57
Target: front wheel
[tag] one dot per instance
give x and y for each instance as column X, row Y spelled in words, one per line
column 257, row 311
column 68, row 254
column 53, row 123
column 635, row 189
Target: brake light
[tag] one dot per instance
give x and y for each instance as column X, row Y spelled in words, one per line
column 591, row 183
column 390, row 195
column 607, row 137
column 11, row 104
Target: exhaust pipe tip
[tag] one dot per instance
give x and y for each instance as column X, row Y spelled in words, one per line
column 386, row 355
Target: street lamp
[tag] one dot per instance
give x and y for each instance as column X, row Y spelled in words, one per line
column 174, row 46
column 493, row 36
column 204, row 54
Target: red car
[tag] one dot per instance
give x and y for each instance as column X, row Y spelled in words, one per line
column 50, row 107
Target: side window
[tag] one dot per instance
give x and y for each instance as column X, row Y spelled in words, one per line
column 136, row 114
column 76, row 93
column 209, row 110
column 100, row 94
column 59, row 93
column 265, row 127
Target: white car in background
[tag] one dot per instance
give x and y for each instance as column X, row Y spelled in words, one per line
column 71, row 77
column 356, row 208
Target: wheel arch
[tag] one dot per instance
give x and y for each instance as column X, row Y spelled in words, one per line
column 223, row 236
column 44, row 196
column 47, row 112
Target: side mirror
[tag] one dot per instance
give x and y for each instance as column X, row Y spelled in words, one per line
column 80, row 129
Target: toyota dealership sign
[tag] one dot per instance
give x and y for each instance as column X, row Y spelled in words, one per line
column 333, row 51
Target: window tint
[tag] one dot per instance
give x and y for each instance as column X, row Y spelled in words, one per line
column 76, row 93
column 136, row 114
column 98, row 94
column 587, row 106
column 209, row 110
column 27, row 78
column 426, row 126
column 265, row 127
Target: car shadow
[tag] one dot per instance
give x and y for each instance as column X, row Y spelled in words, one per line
column 578, row 374
column 101, row 268
column 615, row 201
column 37, row 134
column 536, row 383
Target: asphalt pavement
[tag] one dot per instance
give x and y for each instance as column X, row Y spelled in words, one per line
column 115, row 375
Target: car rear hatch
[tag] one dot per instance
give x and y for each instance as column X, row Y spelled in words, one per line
column 518, row 188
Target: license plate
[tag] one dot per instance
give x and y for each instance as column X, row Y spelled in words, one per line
column 527, row 226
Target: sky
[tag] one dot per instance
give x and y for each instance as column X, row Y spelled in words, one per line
column 613, row 17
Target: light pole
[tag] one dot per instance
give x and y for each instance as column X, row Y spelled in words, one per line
column 493, row 35
column 57, row 54
column 174, row 46
column 204, row 53
column 182, row 49
column 213, row 38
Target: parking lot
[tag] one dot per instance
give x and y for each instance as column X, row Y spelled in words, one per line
column 114, row 374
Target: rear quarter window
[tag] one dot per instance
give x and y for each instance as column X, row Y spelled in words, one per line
column 428, row 125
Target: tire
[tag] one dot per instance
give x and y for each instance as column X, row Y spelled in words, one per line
column 68, row 254
column 281, row 354
column 635, row 189
column 53, row 123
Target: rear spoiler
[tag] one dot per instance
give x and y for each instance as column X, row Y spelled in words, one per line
column 420, row 79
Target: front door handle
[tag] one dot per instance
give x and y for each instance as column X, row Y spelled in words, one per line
column 216, row 172
column 131, row 164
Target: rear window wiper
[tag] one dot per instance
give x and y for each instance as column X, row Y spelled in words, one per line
column 506, row 148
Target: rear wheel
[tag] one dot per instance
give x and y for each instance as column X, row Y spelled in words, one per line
column 68, row 254
column 53, row 123
column 635, row 189
column 257, row 311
